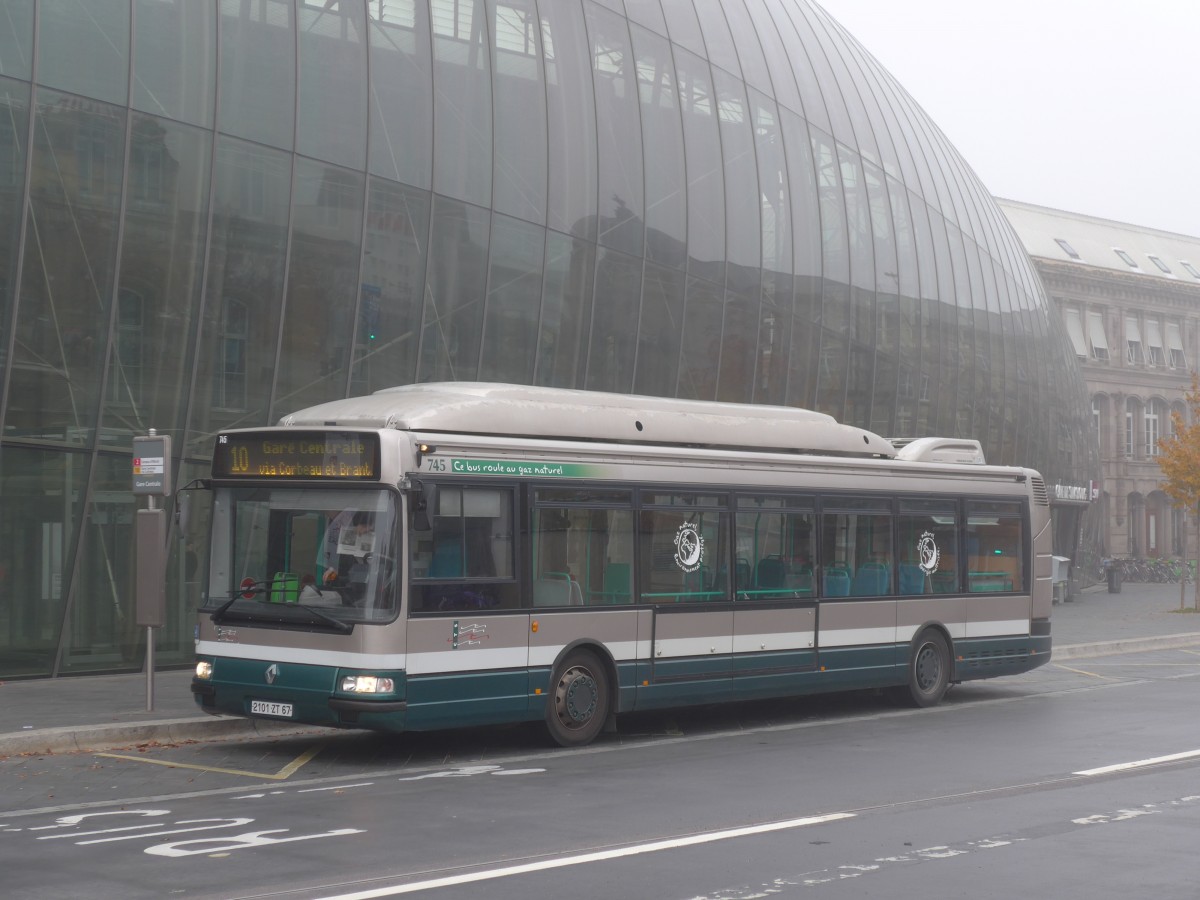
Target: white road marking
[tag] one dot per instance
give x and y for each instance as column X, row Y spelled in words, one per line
column 1120, row 767
column 582, row 858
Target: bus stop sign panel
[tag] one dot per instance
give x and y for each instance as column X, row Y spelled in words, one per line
column 152, row 465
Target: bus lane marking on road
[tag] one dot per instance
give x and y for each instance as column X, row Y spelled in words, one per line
column 282, row 775
column 1138, row 764
column 212, row 844
column 599, row 856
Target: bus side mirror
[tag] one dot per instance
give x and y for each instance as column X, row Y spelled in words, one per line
column 423, row 498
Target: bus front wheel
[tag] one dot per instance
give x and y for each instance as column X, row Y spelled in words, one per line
column 928, row 671
column 579, row 700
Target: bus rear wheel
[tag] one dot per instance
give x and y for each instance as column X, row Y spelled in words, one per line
column 579, row 700
column 928, row 671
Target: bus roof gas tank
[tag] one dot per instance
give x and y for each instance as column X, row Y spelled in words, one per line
column 941, row 450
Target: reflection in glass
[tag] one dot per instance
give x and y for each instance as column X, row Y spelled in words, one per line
column 332, row 102
column 513, row 301
column 42, row 494
column 571, row 113
column 622, row 199
column 83, row 47
column 162, row 264
column 16, row 39
column 174, row 59
column 454, row 289
column 67, row 274
column 401, row 95
column 14, row 130
column 618, row 292
column 244, row 293
column 462, row 83
column 519, row 90
column 662, row 150
column 566, row 311
column 318, row 322
column 385, row 348
column 258, row 71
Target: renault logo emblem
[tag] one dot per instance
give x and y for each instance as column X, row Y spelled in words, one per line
column 272, row 673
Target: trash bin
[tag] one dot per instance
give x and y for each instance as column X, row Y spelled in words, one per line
column 1114, row 580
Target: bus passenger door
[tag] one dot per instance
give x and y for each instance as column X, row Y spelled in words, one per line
column 683, row 575
column 774, row 642
column 691, row 656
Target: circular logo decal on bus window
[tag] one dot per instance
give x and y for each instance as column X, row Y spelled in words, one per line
column 689, row 547
column 927, row 549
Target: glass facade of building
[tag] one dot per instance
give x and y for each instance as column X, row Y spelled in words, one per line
column 213, row 212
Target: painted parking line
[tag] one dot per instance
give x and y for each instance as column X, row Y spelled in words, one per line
column 1121, row 767
column 282, row 775
column 582, row 858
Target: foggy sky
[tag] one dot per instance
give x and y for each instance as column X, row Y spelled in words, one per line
column 1090, row 106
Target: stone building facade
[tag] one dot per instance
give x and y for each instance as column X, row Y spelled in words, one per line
column 1129, row 298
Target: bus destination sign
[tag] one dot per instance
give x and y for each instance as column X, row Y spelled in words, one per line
column 301, row 454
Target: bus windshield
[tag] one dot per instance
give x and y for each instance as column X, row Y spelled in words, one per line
column 313, row 558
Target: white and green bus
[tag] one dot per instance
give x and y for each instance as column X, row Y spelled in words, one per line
column 456, row 554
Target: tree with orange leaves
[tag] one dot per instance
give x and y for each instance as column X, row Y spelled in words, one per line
column 1179, row 459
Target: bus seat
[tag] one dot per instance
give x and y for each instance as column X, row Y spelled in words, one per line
column 447, row 558
column 912, row 579
column 837, row 582
column 771, row 573
column 871, row 580
column 616, row 582
column 553, row 589
column 742, row 573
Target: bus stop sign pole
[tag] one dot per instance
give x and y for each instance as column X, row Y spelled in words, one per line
column 152, row 479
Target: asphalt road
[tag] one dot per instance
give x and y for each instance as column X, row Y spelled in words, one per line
column 996, row 792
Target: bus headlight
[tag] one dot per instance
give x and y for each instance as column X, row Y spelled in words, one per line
column 204, row 670
column 368, row 684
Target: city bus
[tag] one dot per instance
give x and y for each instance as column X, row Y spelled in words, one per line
column 458, row 554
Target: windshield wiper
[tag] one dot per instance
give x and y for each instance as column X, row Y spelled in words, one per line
column 223, row 614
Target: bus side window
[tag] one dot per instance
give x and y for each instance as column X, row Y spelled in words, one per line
column 994, row 541
column 469, row 551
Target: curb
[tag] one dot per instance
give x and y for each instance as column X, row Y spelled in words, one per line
column 1126, row 645
column 93, row 738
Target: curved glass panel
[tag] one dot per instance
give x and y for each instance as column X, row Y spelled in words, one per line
column 14, row 133
column 571, row 115
column 162, row 267
column 662, row 145
column 332, row 89
column 618, row 126
column 320, row 331
column 401, row 93
column 175, row 60
column 258, row 71
column 462, row 117
column 514, row 290
column 83, row 47
column 519, row 182
column 66, row 289
column 247, row 249
column 16, row 39
column 395, row 247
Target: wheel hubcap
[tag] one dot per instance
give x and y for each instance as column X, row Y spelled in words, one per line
column 577, row 696
column 928, row 668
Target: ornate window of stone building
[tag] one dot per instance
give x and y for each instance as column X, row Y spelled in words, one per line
column 1154, row 343
column 1131, row 409
column 1175, row 345
column 1097, row 337
column 1075, row 330
column 1133, row 341
column 1156, row 412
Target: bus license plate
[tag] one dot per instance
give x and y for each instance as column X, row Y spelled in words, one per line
column 267, row 708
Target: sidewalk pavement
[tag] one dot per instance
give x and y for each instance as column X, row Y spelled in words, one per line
column 98, row 712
